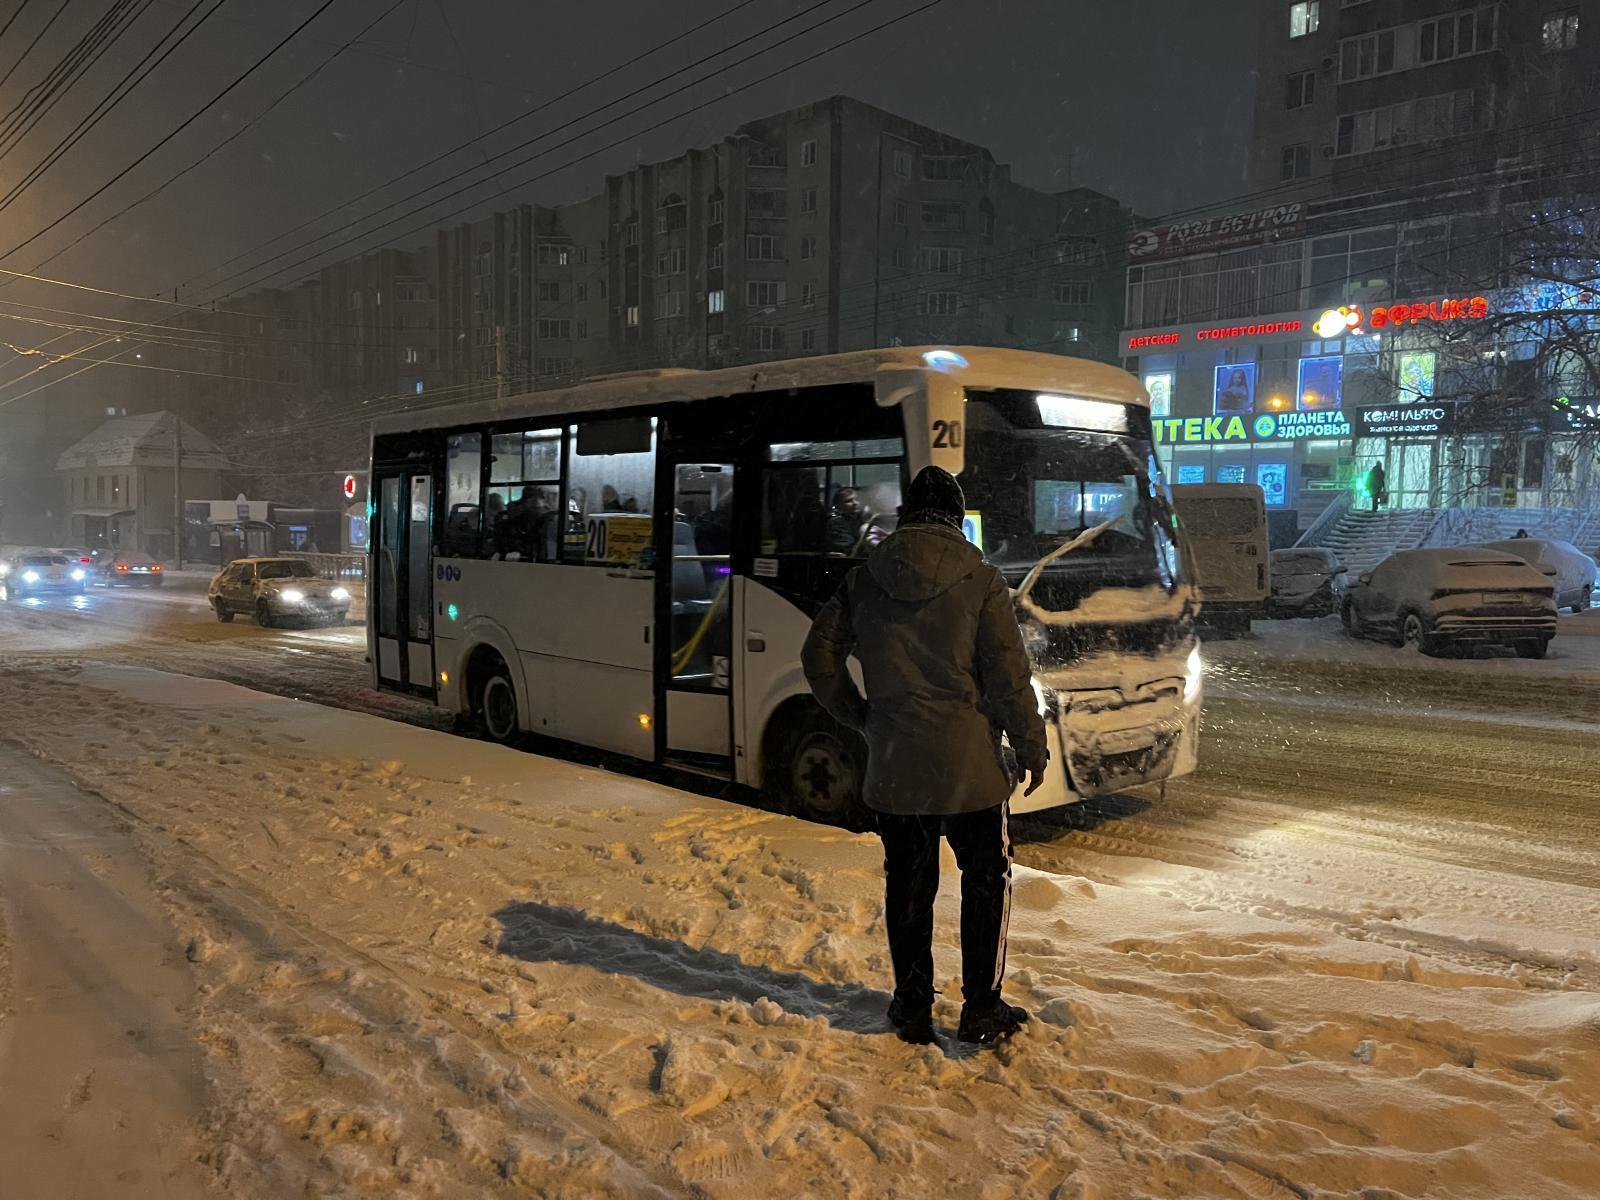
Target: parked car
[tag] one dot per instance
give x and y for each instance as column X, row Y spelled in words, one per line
column 126, row 568
column 1307, row 581
column 1451, row 598
column 1573, row 570
column 274, row 590
column 38, row 574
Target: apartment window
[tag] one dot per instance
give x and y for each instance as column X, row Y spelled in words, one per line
column 767, row 204
column 808, row 339
column 669, row 304
column 808, row 153
column 1365, row 56
column 808, row 295
column 900, row 214
column 761, row 247
column 1301, row 89
column 902, row 163
column 550, row 293
column 714, row 256
column 808, row 247
column 986, row 221
column 580, row 255
column 580, row 292
column 1425, row 119
column 633, row 316
column 941, row 260
column 716, row 301
column 409, row 355
column 944, row 166
column 1304, row 18
column 944, row 216
column 1296, row 162
column 900, row 257
column 549, row 327
column 717, row 208
column 630, row 234
column 761, row 293
column 580, row 328
column 1074, row 292
column 671, row 262
column 1560, row 32
column 763, row 337
column 1456, row 36
column 940, row 304
column 552, row 254
column 808, row 200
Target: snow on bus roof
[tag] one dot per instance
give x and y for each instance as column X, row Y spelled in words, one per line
column 976, row 366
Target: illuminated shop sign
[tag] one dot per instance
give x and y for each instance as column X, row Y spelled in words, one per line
column 1405, row 420
column 1216, row 333
column 1264, row 427
column 1216, row 233
column 1356, row 318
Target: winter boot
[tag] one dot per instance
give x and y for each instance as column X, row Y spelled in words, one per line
column 987, row 1025
column 915, row 1028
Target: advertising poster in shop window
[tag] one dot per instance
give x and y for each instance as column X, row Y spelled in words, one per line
column 1236, row 388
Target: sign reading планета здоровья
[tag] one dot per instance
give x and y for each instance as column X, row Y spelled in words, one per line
column 1264, row 427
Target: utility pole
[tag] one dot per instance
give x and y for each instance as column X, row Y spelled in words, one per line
column 499, row 362
column 177, row 487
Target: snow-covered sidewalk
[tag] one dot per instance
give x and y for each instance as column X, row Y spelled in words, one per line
column 433, row 967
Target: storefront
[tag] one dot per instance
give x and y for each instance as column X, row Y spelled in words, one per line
column 1303, row 403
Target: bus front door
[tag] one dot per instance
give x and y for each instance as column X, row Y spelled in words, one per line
column 400, row 593
column 695, row 617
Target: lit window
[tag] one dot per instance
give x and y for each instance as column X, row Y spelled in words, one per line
column 633, row 316
column 1560, row 32
column 716, row 301
column 1304, row 18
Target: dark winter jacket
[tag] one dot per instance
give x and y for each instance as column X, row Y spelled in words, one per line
column 945, row 671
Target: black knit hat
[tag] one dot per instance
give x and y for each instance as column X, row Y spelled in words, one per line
column 935, row 495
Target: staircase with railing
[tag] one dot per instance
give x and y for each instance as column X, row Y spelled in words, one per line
column 1363, row 539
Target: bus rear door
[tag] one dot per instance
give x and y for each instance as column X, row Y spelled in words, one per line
column 695, row 610
column 400, row 591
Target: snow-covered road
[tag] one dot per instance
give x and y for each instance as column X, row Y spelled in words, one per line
column 1357, row 955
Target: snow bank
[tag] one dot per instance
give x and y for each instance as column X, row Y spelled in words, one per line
column 434, row 967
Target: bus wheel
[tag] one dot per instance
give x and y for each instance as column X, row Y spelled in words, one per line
column 820, row 769
column 495, row 702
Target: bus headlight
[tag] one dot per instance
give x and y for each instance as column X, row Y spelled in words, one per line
column 290, row 596
column 1191, row 676
column 339, row 594
column 30, row 577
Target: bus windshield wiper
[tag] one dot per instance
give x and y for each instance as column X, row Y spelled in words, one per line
column 1066, row 547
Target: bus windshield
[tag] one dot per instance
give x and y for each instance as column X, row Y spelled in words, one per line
column 1030, row 487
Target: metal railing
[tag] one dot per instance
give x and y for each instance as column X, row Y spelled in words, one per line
column 1326, row 519
column 335, row 566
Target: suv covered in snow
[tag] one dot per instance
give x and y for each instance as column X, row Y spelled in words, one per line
column 1455, row 597
column 1307, row 581
column 1574, row 571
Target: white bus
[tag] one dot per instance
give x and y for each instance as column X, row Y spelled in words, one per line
column 632, row 564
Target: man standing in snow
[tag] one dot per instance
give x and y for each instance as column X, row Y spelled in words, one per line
column 933, row 627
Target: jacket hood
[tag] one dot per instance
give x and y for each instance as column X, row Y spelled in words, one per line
column 918, row 562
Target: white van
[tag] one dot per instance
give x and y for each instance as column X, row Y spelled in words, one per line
column 1224, row 527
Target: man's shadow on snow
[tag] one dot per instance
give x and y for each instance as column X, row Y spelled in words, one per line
column 537, row 932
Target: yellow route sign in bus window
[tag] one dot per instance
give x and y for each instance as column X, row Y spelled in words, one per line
column 618, row 540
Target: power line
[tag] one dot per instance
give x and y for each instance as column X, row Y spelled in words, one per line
column 546, row 104
column 182, row 125
column 593, row 112
column 12, row 19
column 112, row 98
column 21, row 58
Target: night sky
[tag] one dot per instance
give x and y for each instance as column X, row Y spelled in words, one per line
column 1146, row 99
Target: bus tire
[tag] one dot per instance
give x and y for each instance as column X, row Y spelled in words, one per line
column 493, row 697
column 816, row 768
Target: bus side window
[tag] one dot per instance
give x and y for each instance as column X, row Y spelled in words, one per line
column 836, row 508
column 461, row 535
column 611, row 482
column 521, row 510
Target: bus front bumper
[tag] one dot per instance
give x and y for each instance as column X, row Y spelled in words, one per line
column 1099, row 751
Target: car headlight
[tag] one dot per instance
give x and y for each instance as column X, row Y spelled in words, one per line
column 30, row 577
column 5, row 569
column 77, row 576
column 339, row 594
column 1191, row 676
column 291, row 596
